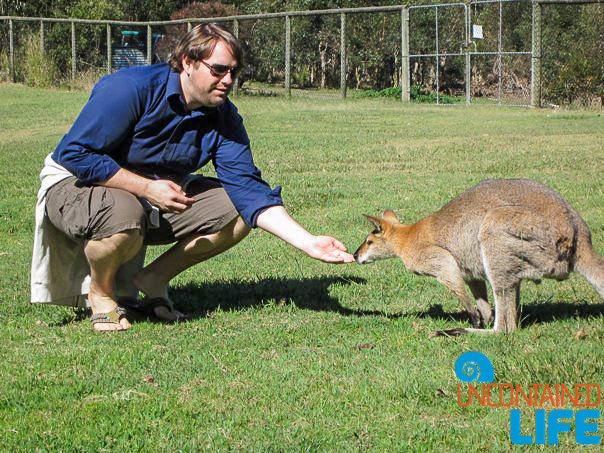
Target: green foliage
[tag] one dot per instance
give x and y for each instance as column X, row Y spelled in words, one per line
column 39, row 69
column 373, row 50
column 140, row 10
column 573, row 70
column 4, row 67
column 390, row 93
column 91, row 9
column 421, row 95
column 418, row 94
column 302, row 77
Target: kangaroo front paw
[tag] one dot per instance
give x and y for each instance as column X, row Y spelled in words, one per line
column 476, row 319
column 486, row 314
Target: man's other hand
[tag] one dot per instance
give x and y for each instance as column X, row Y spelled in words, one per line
column 167, row 196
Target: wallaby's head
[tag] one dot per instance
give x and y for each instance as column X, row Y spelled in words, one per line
column 378, row 244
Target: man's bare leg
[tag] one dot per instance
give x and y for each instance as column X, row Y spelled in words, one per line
column 105, row 256
column 153, row 280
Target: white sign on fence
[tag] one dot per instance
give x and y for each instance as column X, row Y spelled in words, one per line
column 477, row 32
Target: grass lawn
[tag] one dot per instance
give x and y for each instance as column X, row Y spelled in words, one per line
column 287, row 353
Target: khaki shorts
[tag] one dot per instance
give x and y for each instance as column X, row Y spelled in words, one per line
column 95, row 212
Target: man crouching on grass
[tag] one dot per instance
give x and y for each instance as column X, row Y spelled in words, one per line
column 122, row 179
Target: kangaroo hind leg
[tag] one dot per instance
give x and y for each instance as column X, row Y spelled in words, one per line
column 519, row 243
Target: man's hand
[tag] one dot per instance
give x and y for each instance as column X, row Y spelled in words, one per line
column 167, row 196
column 328, row 249
column 277, row 221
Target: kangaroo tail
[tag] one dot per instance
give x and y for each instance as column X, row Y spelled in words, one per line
column 589, row 264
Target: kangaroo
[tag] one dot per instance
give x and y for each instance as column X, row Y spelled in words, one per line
column 501, row 231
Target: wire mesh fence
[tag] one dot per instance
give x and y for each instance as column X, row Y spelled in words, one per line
column 315, row 56
column 263, row 41
column 374, row 51
column 456, row 53
column 501, row 37
column 437, row 39
column 573, row 54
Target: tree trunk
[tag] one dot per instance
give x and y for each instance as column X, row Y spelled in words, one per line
column 323, row 57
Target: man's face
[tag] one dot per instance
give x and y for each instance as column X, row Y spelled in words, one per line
column 202, row 86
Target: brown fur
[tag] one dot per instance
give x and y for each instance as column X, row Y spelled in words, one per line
column 500, row 231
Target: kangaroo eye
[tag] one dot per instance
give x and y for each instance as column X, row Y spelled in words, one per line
column 369, row 242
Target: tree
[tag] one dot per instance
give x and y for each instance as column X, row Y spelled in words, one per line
column 195, row 10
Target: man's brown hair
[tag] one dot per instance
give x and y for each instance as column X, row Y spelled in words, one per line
column 199, row 43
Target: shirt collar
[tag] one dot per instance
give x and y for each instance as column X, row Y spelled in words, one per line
column 174, row 94
column 176, row 100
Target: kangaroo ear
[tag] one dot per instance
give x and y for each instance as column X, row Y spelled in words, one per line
column 390, row 216
column 375, row 220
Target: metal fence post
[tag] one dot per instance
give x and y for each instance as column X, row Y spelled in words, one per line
column 73, row 52
column 499, row 54
column 236, row 28
column 109, row 49
column 343, row 57
column 468, row 56
column 11, row 46
column 42, row 37
column 288, row 50
column 437, row 41
column 405, row 70
column 536, row 56
column 149, row 44
column 236, row 81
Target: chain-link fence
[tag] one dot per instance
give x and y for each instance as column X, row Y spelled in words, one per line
column 572, row 69
column 437, row 52
column 500, row 49
column 506, row 52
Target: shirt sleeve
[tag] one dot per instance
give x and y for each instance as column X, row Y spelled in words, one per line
column 241, row 179
column 106, row 120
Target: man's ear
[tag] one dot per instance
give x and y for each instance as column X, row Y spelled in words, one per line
column 187, row 64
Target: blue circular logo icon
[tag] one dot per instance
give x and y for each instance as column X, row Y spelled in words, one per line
column 474, row 366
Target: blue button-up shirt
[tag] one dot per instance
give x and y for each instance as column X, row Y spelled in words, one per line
column 136, row 119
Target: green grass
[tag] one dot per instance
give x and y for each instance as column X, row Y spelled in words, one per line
column 286, row 353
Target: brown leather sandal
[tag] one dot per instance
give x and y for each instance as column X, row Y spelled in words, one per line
column 112, row 317
column 148, row 305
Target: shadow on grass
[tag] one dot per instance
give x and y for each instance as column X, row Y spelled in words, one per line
column 535, row 313
column 544, row 311
column 200, row 300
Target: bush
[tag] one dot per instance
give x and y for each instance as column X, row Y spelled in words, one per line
column 417, row 94
column 84, row 81
column 39, row 69
column 420, row 95
column 4, row 68
column 391, row 93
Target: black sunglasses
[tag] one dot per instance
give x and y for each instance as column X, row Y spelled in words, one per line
column 220, row 70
